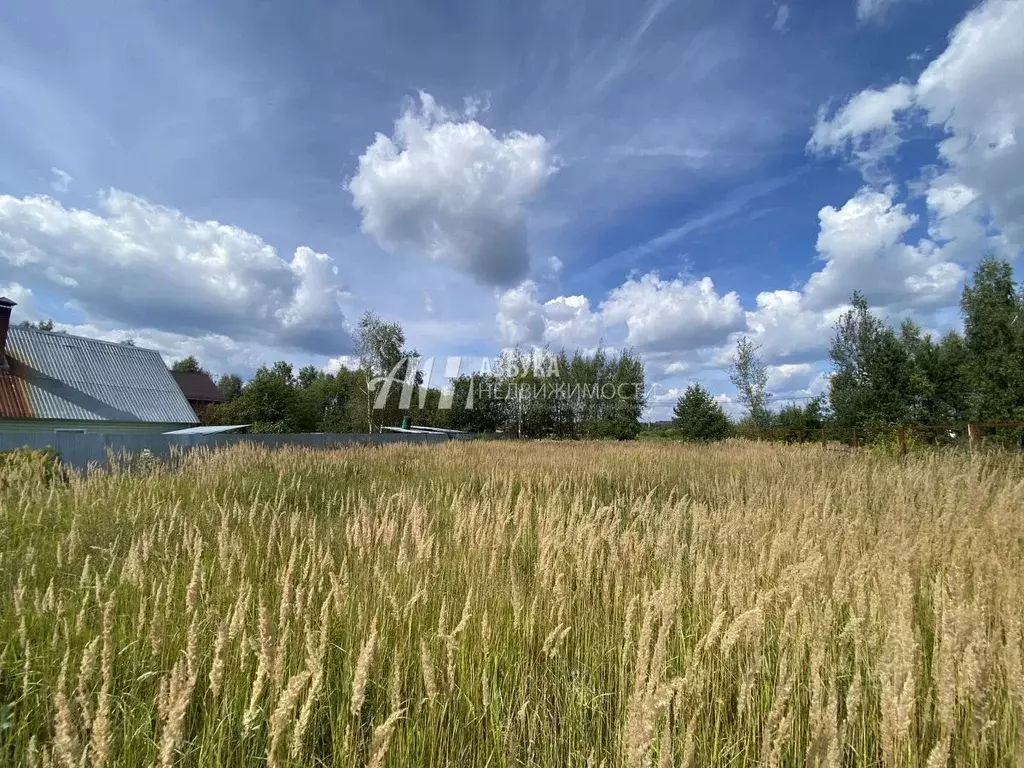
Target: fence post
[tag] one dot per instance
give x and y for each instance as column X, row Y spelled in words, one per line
column 824, row 444
column 856, row 445
column 970, row 437
column 901, row 434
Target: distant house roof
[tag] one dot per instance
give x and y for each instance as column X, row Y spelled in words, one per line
column 198, row 387
column 59, row 376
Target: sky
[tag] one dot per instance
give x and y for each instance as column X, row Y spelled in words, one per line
column 241, row 181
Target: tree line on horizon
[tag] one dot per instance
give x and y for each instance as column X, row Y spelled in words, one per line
column 593, row 394
column 884, row 376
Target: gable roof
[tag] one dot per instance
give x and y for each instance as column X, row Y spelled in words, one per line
column 198, row 386
column 59, row 376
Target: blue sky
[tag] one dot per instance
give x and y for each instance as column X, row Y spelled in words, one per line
column 242, row 180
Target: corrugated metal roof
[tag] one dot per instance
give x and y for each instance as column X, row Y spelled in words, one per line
column 206, row 430
column 13, row 401
column 198, row 387
column 59, row 376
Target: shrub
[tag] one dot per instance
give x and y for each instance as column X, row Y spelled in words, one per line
column 699, row 417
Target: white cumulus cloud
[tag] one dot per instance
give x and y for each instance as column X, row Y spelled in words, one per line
column 786, row 328
column 673, row 315
column 25, row 300
column 452, row 189
column 564, row 321
column 863, row 247
column 649, row 313
column 974, row 91
column 140, row 265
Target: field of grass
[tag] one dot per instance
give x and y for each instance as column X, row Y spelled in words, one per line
column 503, row 604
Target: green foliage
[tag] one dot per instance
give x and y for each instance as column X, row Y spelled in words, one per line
column 698, row 416
column 801, row 423
column 872, row 380
column 382, row 355
column 595, row 396
column 882, row 376
column 187, row 365
column 749, row 375
column 994, row 339
column 939, row 376
column 380, row 344
column 42, row 325
column 537, row 394
column 887, row 443
column 230, row 385
column 582, row 396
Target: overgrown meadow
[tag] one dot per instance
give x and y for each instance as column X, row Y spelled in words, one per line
column 509, row 604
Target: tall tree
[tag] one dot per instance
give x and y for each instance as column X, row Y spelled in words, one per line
column 623, row 410
column 872, row 380
column 476, row 404
column 993, row 333
column 381, row 348
column 698, row 416
column 749, row 375
column 938, row 371
column 284, row 371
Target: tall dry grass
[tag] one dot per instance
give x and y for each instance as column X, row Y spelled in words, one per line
column 509, row 604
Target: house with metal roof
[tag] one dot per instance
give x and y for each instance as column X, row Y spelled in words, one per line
column 58, row 382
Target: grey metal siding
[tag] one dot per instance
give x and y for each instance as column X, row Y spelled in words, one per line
column 15, row 426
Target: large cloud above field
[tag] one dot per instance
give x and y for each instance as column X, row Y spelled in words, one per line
column 862, row 244
column 449, row 188
column 648, row 313
column 135, row 264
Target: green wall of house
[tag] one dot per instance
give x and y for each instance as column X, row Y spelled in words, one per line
column 22, row 426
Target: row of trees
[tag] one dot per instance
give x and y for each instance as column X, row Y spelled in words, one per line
column 585, row 395
column 883, row 376
column 699, row 416
column 530, row 395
